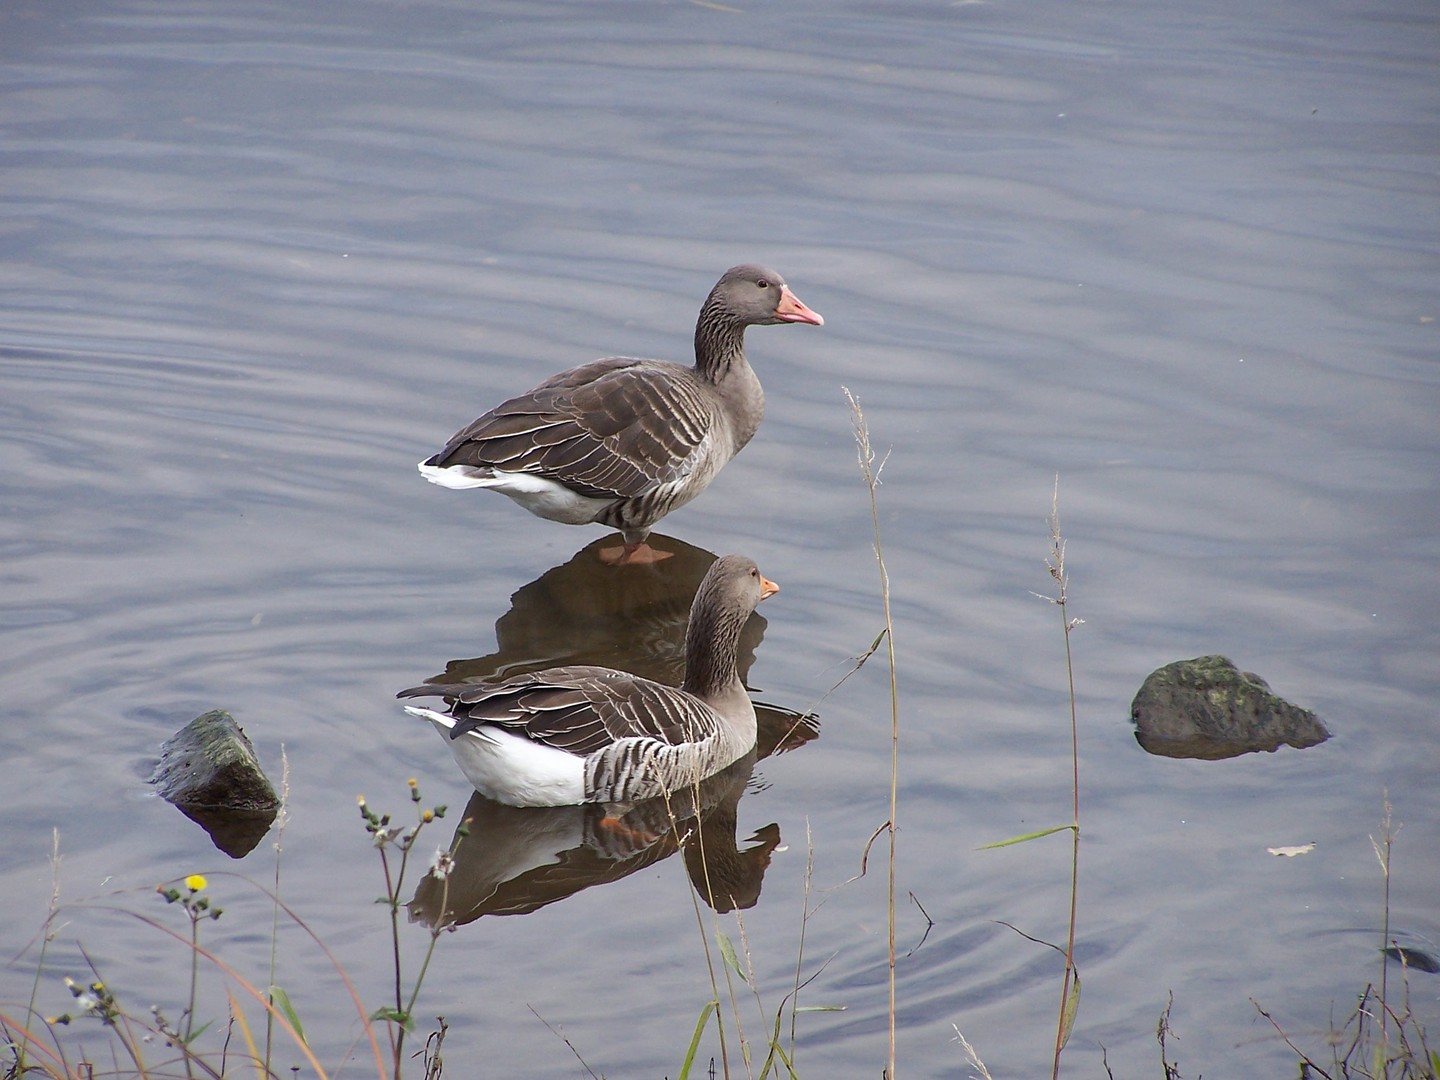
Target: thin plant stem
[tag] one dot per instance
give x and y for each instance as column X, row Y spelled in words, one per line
column 281, row 820
column 263, row 999
column 438, row 929
column 120, row 1023
column 45, row 938
column 392, row 891
column 194, row 981
column 700, row 923
column 804, row 923
column 561, row 1036
column 1382, row 852
column 391, row 886
column 57, row 1064
column 401, row 1018
column 871, row 471
column 1056, row 565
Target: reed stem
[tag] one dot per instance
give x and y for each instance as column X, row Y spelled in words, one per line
column 871, row 471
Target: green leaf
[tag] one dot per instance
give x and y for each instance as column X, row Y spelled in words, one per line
column 1072, row 1007
column 1027, row 836
column 727, row 950
column 821, row 1008
column 705, row 1013
column 281, row 1000
column 395, row 1016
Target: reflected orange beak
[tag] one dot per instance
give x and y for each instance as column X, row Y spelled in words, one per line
column 768, row 588
column 791, row 309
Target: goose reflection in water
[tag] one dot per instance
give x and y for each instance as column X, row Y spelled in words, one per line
column 518, row 859
column 632, row 619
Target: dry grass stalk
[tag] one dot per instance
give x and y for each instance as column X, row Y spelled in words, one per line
column 871, row 472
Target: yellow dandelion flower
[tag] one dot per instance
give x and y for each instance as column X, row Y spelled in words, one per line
column 196, row 882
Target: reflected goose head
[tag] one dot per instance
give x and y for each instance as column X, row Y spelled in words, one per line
column 733, row 583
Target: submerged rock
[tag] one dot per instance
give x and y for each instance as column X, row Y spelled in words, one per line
column 1414, row 959
column 209, row 771
column 1208, row 708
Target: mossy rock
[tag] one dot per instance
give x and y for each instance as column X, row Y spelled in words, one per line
column 209, row 770
column 1208, row 708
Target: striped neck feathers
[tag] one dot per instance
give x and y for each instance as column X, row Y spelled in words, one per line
column 719, row 340
column 711, row 642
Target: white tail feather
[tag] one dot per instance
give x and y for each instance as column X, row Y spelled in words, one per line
column 458, row 477
column 444, row 721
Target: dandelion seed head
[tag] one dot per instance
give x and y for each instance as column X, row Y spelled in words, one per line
column 442, row 863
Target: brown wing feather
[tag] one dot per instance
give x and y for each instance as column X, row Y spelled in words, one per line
column 578, row 709
column 612, row 428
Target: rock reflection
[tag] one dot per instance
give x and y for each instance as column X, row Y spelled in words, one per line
column 519, row 859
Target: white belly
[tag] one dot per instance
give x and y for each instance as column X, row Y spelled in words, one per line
column 543, row 498
column 510, row 768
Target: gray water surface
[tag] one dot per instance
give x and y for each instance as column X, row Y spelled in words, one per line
column 260, row 259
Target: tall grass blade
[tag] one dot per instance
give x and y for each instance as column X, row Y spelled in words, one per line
column 1026, row 837
column 871, row 472
column 711, row 1008
column 244, row 1025
column 282, row 818
column 282, row 1002
column 1069, row 995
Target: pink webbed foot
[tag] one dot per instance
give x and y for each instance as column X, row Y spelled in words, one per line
column 641, row 554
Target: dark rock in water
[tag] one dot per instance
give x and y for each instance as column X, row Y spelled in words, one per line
column 1208, row 708
column 209, row 770
column 1414, row 959
column 209, row 763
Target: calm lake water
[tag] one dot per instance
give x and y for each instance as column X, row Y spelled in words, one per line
column 262, row 258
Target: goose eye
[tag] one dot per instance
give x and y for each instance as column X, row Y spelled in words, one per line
column 763, row 283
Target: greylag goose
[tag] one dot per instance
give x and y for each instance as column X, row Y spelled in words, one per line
column 582, row 734
column 621, row 441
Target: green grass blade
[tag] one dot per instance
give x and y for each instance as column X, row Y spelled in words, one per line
column 711, row 1007
column 1027, row 836
column 281, row 1000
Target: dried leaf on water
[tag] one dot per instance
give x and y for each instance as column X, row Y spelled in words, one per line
column 1292, row 851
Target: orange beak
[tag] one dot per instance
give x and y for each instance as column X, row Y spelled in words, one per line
column 791, row 309
column 768, row 588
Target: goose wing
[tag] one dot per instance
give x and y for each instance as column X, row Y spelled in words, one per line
column 615, row 427
column 577, row 709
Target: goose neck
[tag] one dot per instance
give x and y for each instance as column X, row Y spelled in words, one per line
column 719, row 343
column 711, row 642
